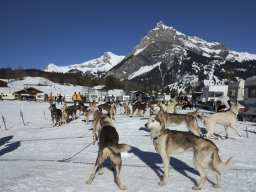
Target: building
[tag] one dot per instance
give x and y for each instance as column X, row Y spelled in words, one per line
column 136, row 95
column 212, row 92
column 3, row 84
column 28, row 93
column 236, row 91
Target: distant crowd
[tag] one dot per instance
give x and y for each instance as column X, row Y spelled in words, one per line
column 76, row 98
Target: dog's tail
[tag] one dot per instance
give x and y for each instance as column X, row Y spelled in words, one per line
column 219, row 165
column 118, row 148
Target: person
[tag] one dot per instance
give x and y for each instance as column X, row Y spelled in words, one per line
column 50, row 99
column 78, row 97
column 222, row 104
column 60, row 99
column 74, row 98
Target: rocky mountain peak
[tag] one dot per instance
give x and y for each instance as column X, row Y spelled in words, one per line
column 166, row 56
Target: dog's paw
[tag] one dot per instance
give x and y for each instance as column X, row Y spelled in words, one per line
column 216, row 186
column 100, row 172
column 123, row 187
column 162, row 183
column 88, row 182
column 196, row 188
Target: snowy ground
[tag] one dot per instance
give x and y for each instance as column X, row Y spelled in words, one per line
column 30, row 154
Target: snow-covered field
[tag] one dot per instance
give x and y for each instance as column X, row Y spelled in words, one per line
column 30, row 154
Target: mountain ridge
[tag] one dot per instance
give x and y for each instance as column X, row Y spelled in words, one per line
column 175, row 58
column 167, row 57
column 95, row 66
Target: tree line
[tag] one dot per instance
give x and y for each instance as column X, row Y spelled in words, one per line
column 80, row 79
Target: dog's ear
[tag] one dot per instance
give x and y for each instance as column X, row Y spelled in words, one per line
column 159, row 116
column 162, row 123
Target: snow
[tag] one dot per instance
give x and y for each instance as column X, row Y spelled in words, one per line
column 102, row 64
column 143, row 70
column 30, row 154
column 44, row 85
column 139, row 50
column 242, row 56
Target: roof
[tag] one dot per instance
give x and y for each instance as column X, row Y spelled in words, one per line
column 100, row 87
column 29, row 90
column 137, row 92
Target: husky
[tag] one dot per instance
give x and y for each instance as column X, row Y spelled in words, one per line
column 71, row 111
column 205, row 152
column 227, row 119
column 87, row 114
column 172, row 119
column 139, row 107
column 113, row 111
column 96, row 124
column 109, row 147
column 56, row 115
column 127, row 108
column 169, row 106
column 154, row 109
column 65, row 114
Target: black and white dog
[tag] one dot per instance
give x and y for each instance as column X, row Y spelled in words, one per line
column 56, row 115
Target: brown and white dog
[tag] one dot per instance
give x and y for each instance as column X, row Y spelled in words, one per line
column 205, row 152
column 172, row 119
column 169, row 106
column 109, row 147
column 127, row 108
column 65, row 114
column 227, row 119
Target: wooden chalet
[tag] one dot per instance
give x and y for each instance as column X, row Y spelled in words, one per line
column 28, row 93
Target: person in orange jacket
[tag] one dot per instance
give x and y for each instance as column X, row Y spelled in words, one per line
column 74, row 98
column 78, row 97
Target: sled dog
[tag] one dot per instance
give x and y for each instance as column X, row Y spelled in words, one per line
column 205, row 152
column 172, row 119
column 56, row 115
column 139, row 107
column 169, row 106
column 65, row 114
column 109, row 147
column 227, row 119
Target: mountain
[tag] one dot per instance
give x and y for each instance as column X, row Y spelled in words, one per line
column 167, row 57
column 96, row 67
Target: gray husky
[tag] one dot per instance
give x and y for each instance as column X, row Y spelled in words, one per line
column 205, row 152
column 56, row 115
column 109, row 147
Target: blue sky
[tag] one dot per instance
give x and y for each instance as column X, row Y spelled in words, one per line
column 34, row 33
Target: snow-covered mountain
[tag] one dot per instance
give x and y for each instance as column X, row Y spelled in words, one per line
column 99, row 65
column 166, row 56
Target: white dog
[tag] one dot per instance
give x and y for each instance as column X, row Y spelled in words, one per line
column 227, row 119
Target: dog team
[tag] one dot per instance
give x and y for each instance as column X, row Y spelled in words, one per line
column 163, row 116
